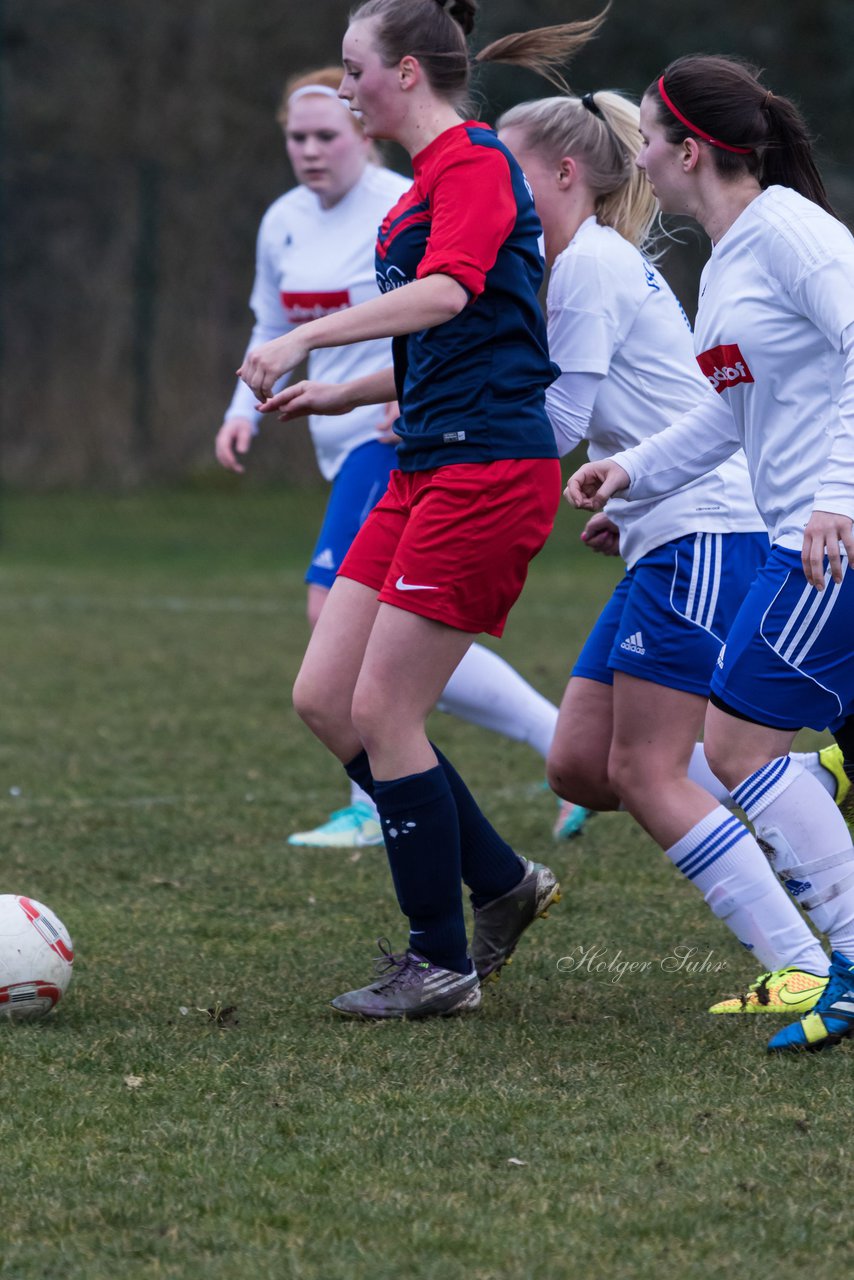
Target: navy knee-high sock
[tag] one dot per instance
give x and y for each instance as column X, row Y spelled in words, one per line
column 359, row 771
column 422, row 839
column 488, row 865
column 490, row 868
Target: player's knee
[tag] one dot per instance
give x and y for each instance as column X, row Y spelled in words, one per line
column 572, row 778
column 725, row 762
column 369, row 718
column 625, row 775
column 311, row 704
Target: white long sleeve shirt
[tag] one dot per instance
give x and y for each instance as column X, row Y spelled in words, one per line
column 624, row 347
column 311, row 262
column 775, row 338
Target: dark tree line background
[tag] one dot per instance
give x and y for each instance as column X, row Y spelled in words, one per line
column 139, row 151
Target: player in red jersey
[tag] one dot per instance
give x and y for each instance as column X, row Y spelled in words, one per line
column 315, row 256
column 444, row 554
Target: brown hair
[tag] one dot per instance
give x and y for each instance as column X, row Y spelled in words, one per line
column 724, row 98
column 435, row 31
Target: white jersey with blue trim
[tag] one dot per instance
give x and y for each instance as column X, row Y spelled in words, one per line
column 312, row 261
column 775, row 337
column 611, row 313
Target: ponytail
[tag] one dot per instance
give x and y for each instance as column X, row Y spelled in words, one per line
column 748, row 128
column 788, row 156
column 546, row 49
column 435, row 32
column 601, row 131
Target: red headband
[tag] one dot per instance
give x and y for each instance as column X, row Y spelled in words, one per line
column 701, row 133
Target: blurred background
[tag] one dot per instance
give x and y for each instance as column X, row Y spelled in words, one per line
column 139, row 151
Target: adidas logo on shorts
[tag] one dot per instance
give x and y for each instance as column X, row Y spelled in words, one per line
column 634, row 644
column 325, row 560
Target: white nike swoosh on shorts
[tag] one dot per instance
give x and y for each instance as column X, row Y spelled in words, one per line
column 411, row 586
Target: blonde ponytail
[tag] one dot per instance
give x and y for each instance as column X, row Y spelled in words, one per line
column 601, row 131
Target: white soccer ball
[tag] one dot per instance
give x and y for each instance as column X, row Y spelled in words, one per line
column 36, row 955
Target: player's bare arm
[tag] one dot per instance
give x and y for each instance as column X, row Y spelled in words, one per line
column 421, row 304
column 329, row 398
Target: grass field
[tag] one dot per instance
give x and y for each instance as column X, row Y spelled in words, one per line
column 589, row 1124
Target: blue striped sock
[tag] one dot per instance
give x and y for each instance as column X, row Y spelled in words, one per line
column 722, row 858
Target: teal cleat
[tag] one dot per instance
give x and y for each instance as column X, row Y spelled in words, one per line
column 570, row 820
column 830, row 1020
column 355, row 827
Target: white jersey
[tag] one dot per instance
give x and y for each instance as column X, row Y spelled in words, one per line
column 775, row 337
column 611, row 313
column 311, row 262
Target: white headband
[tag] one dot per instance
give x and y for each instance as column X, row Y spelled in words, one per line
column 316, row 88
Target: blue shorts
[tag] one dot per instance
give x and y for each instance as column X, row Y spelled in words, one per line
column 669, row 616
column 358, row 487
column 789, row 658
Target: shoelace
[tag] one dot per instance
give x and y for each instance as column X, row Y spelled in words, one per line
column 397, row 965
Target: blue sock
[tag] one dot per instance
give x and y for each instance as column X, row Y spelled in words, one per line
column 422, row 840
column 490, row 868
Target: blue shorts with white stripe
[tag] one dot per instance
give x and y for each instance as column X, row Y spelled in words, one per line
column 669, row 616
column 789, row 657
column 356, row 490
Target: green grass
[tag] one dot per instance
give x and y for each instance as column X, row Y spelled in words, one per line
column 148, row 647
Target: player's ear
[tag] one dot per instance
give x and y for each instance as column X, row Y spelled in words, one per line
column 567, row 172
column 408, row 72
column 691, row 152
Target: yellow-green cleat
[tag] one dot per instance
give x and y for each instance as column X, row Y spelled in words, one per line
column 832, row 759
column 785, row 991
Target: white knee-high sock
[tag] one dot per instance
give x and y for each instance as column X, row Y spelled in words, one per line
column 812, row 764
column 724, row 861
column 487, row 691
column 812, row 852
column 358, row 796
column 699, row 772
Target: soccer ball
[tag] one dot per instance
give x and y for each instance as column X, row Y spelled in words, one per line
column 36, row 955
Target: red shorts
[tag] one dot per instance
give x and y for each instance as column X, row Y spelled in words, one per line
column 454, row 543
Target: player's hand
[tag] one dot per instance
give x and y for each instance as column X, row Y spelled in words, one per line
column 324, row 398
column 234, row 437
column 385, row 430
column 592, row 485
column 822, row 537
column 602, row 535
column 263, row 367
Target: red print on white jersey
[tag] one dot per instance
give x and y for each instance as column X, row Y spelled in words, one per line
column 301, row 307
column 724, row 366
